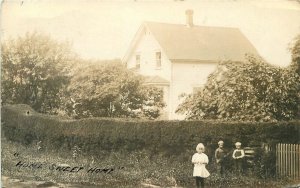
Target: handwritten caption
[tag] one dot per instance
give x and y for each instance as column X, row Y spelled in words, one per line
column 64, row 167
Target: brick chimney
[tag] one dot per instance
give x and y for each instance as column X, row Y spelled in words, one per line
column 189, row 18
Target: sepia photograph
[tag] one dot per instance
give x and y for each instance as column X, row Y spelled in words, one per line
column 150, row 93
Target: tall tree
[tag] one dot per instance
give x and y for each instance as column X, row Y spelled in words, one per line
column 35, row 71
column 110, row 90
column 295, row 50
column 295, row 64
column 250, row 91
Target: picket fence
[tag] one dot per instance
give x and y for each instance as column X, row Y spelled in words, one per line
column 288, row 160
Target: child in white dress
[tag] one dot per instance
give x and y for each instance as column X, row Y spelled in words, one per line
column 199, row 160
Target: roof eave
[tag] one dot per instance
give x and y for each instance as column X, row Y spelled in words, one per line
column 201, row 60
column 193, row 61
column 133, row 43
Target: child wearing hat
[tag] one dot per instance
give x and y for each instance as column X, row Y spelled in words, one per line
column 238, row 155
column 220, row 155
column 199, row 160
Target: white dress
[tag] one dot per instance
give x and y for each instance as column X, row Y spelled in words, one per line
column 199, row 167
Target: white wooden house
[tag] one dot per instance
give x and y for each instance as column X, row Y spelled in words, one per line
column 179, row 57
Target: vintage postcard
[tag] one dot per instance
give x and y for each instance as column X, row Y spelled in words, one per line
column 150, row 93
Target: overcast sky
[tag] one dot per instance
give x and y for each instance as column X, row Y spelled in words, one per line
column 104, row 29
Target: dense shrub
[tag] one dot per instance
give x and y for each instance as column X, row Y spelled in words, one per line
column 109, row 89
column 35, row 70
column 252, row 90
column 172, row 139
column 20, row 123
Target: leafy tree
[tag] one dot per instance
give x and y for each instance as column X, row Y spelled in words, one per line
column 249, row 91
column 35, row 71
column 110, row 90
column 295, row 65
column 295, row 50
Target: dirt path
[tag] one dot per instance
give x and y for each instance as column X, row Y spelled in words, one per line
column 17, row 183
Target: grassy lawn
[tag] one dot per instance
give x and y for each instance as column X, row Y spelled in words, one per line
column 111, row 169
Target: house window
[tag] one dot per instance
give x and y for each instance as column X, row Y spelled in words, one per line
column 138, row 61
column 158, row 59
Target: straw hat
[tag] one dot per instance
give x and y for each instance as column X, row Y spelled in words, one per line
column 238, row 144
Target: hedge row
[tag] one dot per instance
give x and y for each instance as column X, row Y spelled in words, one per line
column 21, row 124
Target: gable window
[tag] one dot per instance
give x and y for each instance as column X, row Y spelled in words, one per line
column 158, row 59
column 138, row 61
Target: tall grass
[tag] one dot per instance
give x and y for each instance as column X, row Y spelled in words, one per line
column 131, row 169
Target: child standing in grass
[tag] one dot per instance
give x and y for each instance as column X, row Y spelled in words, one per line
column 220, row 156
column 199, row 160
column 238, row 155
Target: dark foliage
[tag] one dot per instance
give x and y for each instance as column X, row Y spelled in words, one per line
column 35, row 71
column 173, row 139
column 246, row 91
column 109, row 89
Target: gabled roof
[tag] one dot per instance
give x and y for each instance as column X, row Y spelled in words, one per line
column 197, row 43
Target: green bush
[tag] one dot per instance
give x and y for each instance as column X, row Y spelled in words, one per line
column 175, row 140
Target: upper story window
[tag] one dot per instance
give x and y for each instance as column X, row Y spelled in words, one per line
column 138, row 61
column 158, row 59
